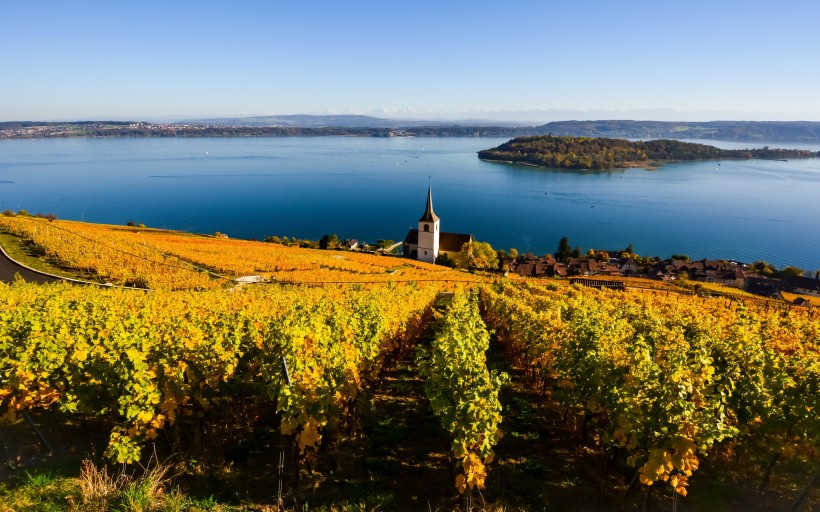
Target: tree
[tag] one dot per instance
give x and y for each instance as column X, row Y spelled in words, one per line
column 513, row 253
column 444, row 259
column 792, row 271
column 329, row 242
column 476, row 256
column 683, row 257
column 576, row 252
column 564, row 252
column 629, row 250
column 763, row 267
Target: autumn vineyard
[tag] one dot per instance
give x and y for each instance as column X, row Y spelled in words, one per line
column 648, row 389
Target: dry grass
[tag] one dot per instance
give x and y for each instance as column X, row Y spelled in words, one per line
column 101, row 491
column 97, row 487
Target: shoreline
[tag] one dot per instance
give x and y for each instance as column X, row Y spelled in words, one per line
column 648, row 166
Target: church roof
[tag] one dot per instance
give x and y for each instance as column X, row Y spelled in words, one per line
column 447, row 242
column 429, row 214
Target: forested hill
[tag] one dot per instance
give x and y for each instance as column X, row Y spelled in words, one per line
column 601, row 153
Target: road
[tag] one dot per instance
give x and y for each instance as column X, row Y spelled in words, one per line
column 388, row 250
column 8, row 268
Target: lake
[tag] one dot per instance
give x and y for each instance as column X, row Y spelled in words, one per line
column 375, row 188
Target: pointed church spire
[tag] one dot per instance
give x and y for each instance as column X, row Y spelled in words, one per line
column 429, row 214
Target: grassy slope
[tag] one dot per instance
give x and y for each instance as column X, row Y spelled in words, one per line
column 22, row 251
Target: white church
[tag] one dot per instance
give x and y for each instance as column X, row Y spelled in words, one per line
column 428, row 241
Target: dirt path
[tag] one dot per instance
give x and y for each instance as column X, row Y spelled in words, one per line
column 401, row 461
column 539, row 463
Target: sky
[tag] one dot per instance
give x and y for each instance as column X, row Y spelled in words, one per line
column 524, row 60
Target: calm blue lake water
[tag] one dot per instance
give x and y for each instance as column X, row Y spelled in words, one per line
column 371, row 188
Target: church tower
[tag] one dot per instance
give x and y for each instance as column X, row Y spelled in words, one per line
column 429, row 231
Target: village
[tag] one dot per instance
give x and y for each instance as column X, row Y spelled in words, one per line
column 428, row 243
column 748, row 277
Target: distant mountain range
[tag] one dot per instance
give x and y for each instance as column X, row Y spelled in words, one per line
column 367, row 126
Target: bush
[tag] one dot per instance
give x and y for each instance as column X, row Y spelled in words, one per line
column 445, row 260
column 138, row 282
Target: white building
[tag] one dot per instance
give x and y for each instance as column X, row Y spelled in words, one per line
column 428, row 241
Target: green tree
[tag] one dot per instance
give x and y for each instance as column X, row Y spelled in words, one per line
column 576, row 252
column 444, row 259
column 329, row 242
column 564, row 251
column 513, row 253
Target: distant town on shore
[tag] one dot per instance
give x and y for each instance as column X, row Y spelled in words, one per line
column 367, row 126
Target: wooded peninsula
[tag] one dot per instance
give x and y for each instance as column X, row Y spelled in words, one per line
column 603, row 154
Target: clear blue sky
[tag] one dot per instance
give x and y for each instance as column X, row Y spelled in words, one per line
column 177, row 59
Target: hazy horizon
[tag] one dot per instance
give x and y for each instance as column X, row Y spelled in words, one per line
column 527, row 117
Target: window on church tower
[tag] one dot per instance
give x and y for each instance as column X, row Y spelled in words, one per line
column 426, row 227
